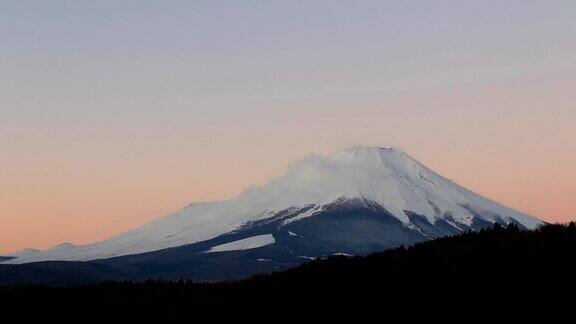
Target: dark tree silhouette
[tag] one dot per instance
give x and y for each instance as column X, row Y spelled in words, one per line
column 492, row 266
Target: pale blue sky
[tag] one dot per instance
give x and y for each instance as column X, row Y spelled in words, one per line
column 113, row 113
column 94, row 64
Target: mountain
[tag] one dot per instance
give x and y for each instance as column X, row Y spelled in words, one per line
column 354, row 202
column 25, row 253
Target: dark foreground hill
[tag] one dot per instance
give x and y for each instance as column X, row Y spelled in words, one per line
column 493, row 268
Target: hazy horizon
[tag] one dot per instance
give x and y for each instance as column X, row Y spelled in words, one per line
column 117, row 112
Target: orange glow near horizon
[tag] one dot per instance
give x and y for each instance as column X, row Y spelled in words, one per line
column 113, row 114
column 81, row 187
column 71, row 195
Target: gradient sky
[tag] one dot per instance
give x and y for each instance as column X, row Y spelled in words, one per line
column 113, row 113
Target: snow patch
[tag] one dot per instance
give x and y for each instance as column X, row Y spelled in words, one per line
column 305, row 257
column 343, row 254
column 245, row 244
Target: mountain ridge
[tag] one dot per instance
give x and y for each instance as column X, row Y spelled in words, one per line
column 402, row 187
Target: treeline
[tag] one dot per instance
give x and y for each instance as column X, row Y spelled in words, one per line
column 482, row 269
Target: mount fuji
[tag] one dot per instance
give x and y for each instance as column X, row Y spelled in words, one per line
column 354, row 202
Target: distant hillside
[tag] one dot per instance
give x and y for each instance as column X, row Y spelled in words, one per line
column 482, row 269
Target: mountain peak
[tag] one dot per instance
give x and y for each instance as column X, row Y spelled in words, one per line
column 384, row 177
column 359, row 151
column 369, row 154
column 360, row 148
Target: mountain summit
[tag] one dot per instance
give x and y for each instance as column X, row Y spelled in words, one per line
column 353, row 202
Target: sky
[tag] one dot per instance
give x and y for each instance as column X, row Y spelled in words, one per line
column 113, row 113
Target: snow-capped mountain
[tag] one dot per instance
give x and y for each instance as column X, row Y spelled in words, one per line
column 353, row 202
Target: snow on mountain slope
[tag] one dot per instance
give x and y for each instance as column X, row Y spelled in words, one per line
column 385, row 176
column 244, row 244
